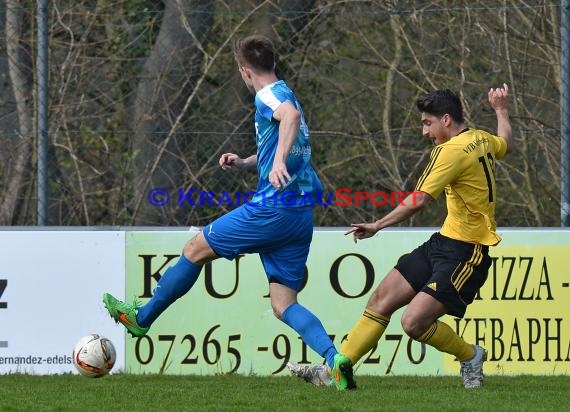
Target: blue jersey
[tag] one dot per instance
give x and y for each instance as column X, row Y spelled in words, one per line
column 304, row 188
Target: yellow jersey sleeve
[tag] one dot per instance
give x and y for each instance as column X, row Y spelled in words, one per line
column 441, row 170
column 500, row 145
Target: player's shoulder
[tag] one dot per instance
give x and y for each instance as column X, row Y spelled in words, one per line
column 452, row 150
column 280, row 87
column 469, row 138
column 479, row 134
column 494, row 142
column 278, row 91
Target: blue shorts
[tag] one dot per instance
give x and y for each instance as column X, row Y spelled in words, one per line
column 281, row 236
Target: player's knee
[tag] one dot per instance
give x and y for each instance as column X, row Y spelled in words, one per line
column 279, row 307
column 277, row 311
column 198, row 251
column 411, row 326
column 190, row 250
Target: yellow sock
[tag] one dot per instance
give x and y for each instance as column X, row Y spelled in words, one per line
column 443, row 338
column 364, row 335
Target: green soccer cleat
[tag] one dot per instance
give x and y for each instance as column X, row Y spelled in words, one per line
column 124, row 313
column 342, row 373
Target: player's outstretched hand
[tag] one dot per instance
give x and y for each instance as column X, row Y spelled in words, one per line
column 230, row 160
column 362, row 231
column 499, row 97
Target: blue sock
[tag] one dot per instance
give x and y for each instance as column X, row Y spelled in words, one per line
column 176, row 281
column 311, row 330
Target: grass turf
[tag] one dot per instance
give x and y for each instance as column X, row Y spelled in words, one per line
column 122, row 392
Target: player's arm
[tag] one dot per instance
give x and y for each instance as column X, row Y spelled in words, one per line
column 499, row 100
column 289, row 120
column 231, row 160
column 412, row 204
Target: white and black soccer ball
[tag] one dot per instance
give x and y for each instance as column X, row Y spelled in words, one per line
column 94, row 356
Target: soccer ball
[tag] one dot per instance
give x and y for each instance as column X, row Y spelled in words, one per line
column 94, row 356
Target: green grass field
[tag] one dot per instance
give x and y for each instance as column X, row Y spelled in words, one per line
column 123, row 392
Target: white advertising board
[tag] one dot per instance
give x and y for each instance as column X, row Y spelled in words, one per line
column 51, row 284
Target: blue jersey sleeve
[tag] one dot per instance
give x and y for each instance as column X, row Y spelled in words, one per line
column 267, row 100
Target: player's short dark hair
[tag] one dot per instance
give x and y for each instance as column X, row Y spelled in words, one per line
column 440, row 102
column 256, row 51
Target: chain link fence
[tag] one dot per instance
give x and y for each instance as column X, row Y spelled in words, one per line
column 145, row 96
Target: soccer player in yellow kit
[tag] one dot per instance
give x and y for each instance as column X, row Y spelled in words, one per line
column 443, row 275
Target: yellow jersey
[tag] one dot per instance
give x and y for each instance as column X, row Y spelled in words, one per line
column 464, row 167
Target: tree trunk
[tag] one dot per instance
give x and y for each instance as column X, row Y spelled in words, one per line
column 168, row 79
column 21, row 75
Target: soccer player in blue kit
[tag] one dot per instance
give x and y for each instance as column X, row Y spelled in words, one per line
column 277, row 223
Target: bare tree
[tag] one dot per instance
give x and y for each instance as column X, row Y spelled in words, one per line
column 146, row 94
